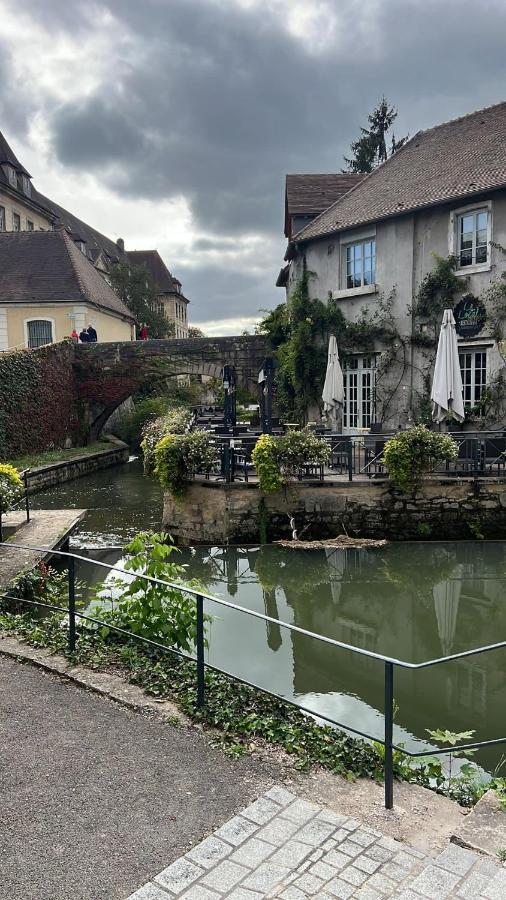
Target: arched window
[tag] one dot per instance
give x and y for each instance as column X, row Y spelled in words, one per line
column 39, row 332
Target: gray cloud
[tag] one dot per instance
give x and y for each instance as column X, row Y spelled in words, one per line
column 217, row 102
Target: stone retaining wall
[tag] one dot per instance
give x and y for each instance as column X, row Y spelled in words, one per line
column 456, row 509
column 68, row 470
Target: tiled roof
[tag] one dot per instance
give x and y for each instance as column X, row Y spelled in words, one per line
column 7, row 156
column 451, row 161
column 314, row 193
column 48, row 267
column 162, row 279
column 94, row 240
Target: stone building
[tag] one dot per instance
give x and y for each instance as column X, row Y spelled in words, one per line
column 48, row 287
column 443, row 194
column 171, row 301
column 24, row 208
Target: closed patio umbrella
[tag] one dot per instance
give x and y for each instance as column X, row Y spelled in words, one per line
column 446, row 596
column 447, row 393
column 333, row 389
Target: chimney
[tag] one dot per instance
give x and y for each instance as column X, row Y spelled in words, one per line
column 121, row 244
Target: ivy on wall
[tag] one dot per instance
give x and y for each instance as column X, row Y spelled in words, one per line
column 38, row 400
column 298, row 333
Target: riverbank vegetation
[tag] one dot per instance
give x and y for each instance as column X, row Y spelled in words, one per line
column 242, row 718
column 47, row 457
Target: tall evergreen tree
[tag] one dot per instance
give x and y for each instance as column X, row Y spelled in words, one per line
column 370, row 149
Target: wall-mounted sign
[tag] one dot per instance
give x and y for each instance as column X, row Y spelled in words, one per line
column 470, row 316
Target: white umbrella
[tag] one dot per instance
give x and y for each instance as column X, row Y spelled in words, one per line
column 447, row 393
column 446, row 596
column 333, row 389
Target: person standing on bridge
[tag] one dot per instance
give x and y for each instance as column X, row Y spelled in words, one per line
column 143, row 333
column 84, row 336
column 92, row 334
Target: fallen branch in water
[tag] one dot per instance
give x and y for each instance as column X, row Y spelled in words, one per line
column 342, row 541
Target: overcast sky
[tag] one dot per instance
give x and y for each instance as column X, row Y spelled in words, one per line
column 172, row 123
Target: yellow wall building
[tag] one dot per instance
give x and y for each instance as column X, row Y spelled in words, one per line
column 48, row 288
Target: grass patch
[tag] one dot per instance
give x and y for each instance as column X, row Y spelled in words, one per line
column 46, row 457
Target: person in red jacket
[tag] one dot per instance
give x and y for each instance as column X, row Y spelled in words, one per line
column 143, row 333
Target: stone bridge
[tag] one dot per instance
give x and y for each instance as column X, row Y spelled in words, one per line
column 109, row 373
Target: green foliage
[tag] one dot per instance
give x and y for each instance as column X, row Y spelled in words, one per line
column 370, row 149
column 38, row 400
column 130, row 427
column 438, row 289
column 11, row 486
column 160, row 613
column 278, row 459
column 42, row 583
column 176, row 421
column 414, row 452
column 179, row 457
column 135, row 287
column 242, row 715
column 298, row 332
column 194, row 332
column 468, row 781
column 265, row 460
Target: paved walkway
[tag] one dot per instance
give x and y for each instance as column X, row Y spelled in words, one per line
column 46, row 528
column 282, row 846
column 95, row 798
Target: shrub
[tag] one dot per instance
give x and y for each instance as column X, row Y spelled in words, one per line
column 265, row 460
column 174, row 422
column 158, row 612
column 279, row 459
column 11, row 486
column 130, row 427
column 179, row 457
column 412, row 453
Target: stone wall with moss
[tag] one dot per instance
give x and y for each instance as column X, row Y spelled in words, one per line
column 440, row 510
column 39, row 407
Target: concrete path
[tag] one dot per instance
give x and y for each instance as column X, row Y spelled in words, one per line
column 285, row 847
column 95, row 798
column 46, row 528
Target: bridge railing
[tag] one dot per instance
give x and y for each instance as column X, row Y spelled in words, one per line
column 389, row 664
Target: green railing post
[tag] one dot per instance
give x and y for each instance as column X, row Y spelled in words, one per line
column 389, row 727
column 72, row 604
column 200, row 652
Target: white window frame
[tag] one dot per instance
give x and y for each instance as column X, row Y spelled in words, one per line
column 454, row 230
column 348, row 247
column 358, row 405
column 30, row 225
column 13, row 178
column 3, row 220
column 473, row 350
column 40, row 319
column 17, row 215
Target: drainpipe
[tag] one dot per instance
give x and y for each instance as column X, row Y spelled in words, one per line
column 412, row 346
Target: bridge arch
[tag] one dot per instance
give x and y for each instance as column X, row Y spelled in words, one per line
column 109, row 373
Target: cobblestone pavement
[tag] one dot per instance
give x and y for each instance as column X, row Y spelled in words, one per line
column 284, row 847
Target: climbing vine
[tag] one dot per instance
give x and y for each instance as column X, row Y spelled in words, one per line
column 298, row 333
column 38, row 402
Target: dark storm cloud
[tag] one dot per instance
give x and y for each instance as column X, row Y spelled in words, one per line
column 220, row 102
column 216, row 103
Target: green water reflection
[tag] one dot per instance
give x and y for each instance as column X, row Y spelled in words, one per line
column 410, row 601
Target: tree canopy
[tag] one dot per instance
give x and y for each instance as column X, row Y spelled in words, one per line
column 371, row 148
column 134, row 286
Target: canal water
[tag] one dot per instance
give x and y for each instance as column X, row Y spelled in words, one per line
column 412, row 601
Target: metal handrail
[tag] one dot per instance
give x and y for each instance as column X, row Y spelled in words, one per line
column 389, row 662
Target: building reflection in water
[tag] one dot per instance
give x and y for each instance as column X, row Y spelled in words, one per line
column 409, row 601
